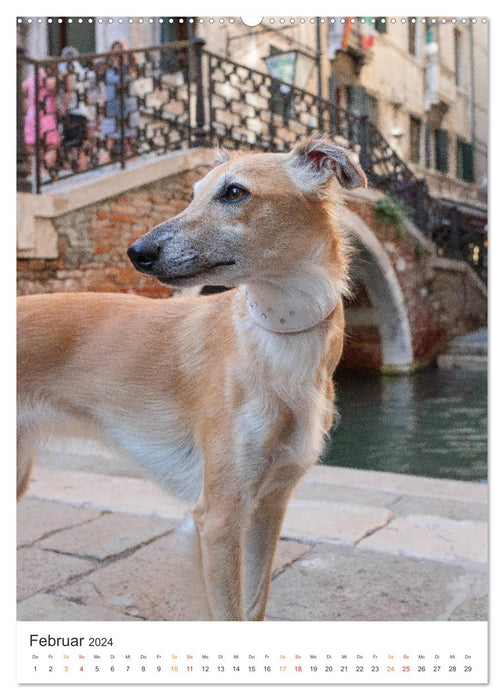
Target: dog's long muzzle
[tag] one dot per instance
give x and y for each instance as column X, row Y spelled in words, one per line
column 143, row 254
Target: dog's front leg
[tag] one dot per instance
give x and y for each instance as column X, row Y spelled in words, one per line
column 220, row 535
column 262, row 538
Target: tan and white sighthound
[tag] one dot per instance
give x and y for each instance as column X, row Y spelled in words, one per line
column 223, row 398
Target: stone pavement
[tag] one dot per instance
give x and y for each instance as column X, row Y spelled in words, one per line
column 97, row 541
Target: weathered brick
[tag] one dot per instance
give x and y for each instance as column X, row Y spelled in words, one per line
column 37, row 265
column 129, row 218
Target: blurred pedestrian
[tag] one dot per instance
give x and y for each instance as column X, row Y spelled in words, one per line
column 49, row 137
column 121, row 72
column 76, row 82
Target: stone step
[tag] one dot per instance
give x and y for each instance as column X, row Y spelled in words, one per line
column 460, row 348
column 471, row 344
column 465, row 361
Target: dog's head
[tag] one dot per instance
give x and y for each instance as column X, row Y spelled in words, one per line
column 253, row 216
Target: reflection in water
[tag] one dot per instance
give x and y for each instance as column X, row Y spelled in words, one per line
column 432, row 423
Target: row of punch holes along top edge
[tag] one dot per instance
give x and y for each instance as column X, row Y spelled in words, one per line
column 249, row 21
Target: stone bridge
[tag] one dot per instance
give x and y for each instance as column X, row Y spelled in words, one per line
column 406, row 303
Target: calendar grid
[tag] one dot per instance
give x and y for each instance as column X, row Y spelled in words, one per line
column 172, row 653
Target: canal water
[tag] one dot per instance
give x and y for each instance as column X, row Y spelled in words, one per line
column 431, row 423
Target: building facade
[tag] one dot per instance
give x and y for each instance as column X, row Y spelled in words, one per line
column 422, row 80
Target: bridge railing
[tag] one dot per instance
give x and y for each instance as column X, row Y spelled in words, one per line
column 83, row 113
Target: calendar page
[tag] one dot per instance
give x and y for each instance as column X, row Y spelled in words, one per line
column 252, row 286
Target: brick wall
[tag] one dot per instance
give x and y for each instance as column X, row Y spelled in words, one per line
column 362, row 348
column 92, row 241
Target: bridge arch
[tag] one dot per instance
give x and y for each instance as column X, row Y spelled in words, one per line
column 385, row 309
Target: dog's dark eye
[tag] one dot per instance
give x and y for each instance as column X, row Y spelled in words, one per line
column 234, row 193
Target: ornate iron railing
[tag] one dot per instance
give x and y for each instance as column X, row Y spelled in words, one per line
column 248, row 107
column 86, row 112
column 97, row 110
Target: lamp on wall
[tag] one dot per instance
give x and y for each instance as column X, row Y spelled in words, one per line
column 292, row 67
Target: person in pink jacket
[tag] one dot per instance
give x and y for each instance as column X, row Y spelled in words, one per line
column 49, row 136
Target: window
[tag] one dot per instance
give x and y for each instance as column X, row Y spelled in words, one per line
column 465, row 161
column 381, row 25
column 173, row 61
column 81, row 36
column 457, row 43
column 441, row 142
column 415, row 131
column 174, row 31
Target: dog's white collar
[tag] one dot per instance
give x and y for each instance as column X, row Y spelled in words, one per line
column 297, row 305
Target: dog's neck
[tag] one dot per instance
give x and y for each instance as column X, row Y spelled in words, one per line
column 298, row 303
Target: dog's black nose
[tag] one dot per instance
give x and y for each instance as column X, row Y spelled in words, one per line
column 143, row 254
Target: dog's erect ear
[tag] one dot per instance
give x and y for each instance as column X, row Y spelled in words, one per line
column 221, row 156
column 318, row 159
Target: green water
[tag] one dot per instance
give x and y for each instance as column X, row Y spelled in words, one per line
column 432, row 423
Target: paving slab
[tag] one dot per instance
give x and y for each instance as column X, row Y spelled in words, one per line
column 43, row 606
column 474, row 609
column 431, row 537
column 87, row 456
column 155, row 582
column 107, row 536
column 311, row 490
column 335, row 582
column 38, row 570
column 37, row 519
column 444, row 507
column 308, row 520
column 469, row 596
column 115, row 493
column 287, row 552
column 464, row 491
column 399, row 504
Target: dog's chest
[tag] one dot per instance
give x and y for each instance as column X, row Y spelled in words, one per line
column 287, row 405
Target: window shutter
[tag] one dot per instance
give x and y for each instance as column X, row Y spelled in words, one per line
column 428, row 144
column 441, row 143
column 468, row 162
column 415, row 129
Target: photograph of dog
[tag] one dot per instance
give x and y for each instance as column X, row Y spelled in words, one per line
column 227, row 398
